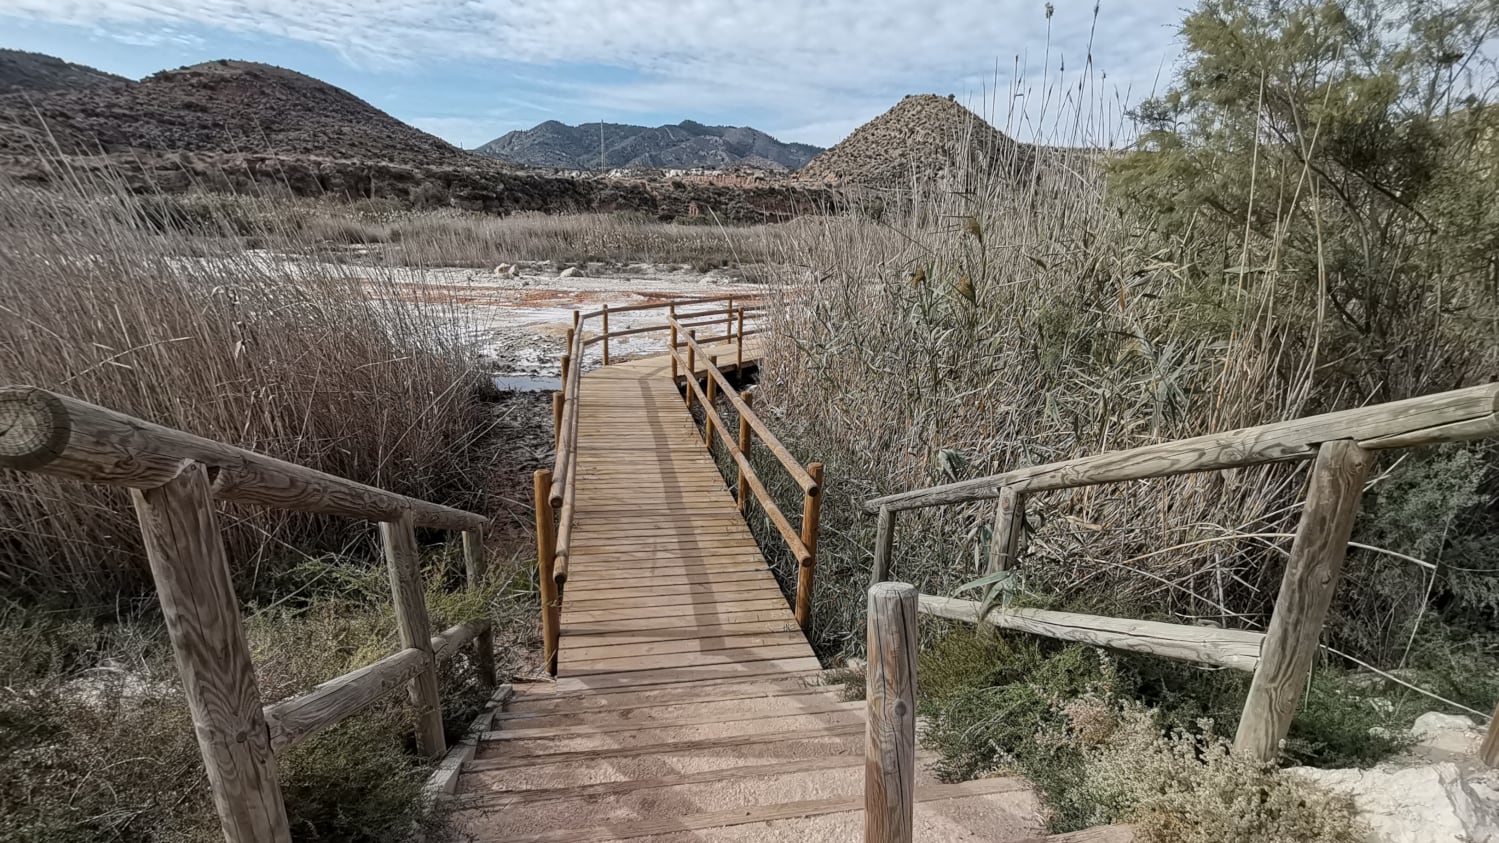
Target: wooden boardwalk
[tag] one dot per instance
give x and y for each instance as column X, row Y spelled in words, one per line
column 688, row 705
column 666, row 581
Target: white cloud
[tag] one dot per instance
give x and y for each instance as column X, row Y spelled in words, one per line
column 817, row 64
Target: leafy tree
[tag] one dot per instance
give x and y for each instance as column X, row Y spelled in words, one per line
column 1332, row 163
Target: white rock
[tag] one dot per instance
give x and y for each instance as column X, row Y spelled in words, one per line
column 570, row 272
column 503, row 269
column 1436, row 803
column 1435, row 722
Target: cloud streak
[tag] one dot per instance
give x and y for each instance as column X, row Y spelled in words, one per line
column 812, row 63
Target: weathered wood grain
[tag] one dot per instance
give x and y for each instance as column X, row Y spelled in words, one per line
column 890, row 736
column 545, row 550
column 53, row 434
column 295, row 720
column 191, row 571
column 403, row 562
column 807, row 568
column 1009, row 524
column 1306, row 589
column 476, row 569
column 884, row 545
column 1238, row 649
column 1489, row 752
column 1446, row 416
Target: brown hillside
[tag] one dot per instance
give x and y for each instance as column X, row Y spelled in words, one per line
column 923, row 137
column 222, row 106
column 33, row 72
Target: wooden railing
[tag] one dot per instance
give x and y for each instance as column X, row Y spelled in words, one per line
column 802, row 543
column 554, row 489
column 174, row 479
column 1341, row 446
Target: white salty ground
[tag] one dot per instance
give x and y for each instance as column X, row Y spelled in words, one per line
column 519, row 324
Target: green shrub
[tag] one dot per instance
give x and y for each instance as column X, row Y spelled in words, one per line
column 1189, row 787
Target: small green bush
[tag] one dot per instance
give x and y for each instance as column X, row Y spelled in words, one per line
column 1189, row 787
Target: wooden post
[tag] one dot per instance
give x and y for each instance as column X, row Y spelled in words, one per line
column 1489, row 752
column 728, row 319
column 811, row 515
column 739, row 350
column 546, row 549
column 566, row 365
column 1306, row 590
column 890, row 742
column 884, row 543
column 606, row 334
column 476, row 566
column 746, row 443
column 1009, row 523
column 402, row 558
column 691, row 362
column 191, row 571
column 711, row 395
column 671, row 312
column 556, row 418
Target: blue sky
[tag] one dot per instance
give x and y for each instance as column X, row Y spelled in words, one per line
column 803, row 70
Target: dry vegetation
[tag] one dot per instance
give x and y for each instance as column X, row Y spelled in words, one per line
column 121, row 301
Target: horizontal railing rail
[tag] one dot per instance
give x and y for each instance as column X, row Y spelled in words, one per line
column 803, row 542
column 554, row 490
column 1341, row 446
column 174, row 478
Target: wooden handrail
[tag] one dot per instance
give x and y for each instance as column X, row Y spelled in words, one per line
column 1342, row 445
column 174, row 478
column 1455, row 416
column 783, row 525
column 794, row 468
column 54, row 434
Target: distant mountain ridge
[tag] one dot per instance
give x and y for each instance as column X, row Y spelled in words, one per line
column 594, row 146
column 218, row 106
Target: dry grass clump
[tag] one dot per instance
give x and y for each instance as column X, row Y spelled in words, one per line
column 96, row 742
column 450, row 237
column 1189, row 787
column 116, row 301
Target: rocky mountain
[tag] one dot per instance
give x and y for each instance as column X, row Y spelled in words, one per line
column 21, row 71
column 924, row 137
column 593, row 146
column 221, row 106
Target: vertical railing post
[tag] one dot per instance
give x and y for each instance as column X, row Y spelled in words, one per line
column 404, row 562
column 1306, row 590
column 890, row 733
column 606, row 334
column 728, row 322
column 557, row 416
column 1009, row 523
column 567, row 360
column 746, row 443
column 712, row 395
column 884, row 543
column 691, row 362
column 671, row 314
column 1489, row 752
column 739, row 350
column 811, row 515
column 191, row 571
column 476, row 568
column 546, row 549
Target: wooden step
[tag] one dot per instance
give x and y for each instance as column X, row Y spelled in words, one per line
column 547, row 697
column 777, row 743
column 736, row 701
column 515, row 743
column 740, row 816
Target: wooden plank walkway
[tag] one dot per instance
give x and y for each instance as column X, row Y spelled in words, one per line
column 688, row 705
column 665, row 581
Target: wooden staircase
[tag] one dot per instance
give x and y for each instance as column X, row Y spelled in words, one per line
column 766, row 758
